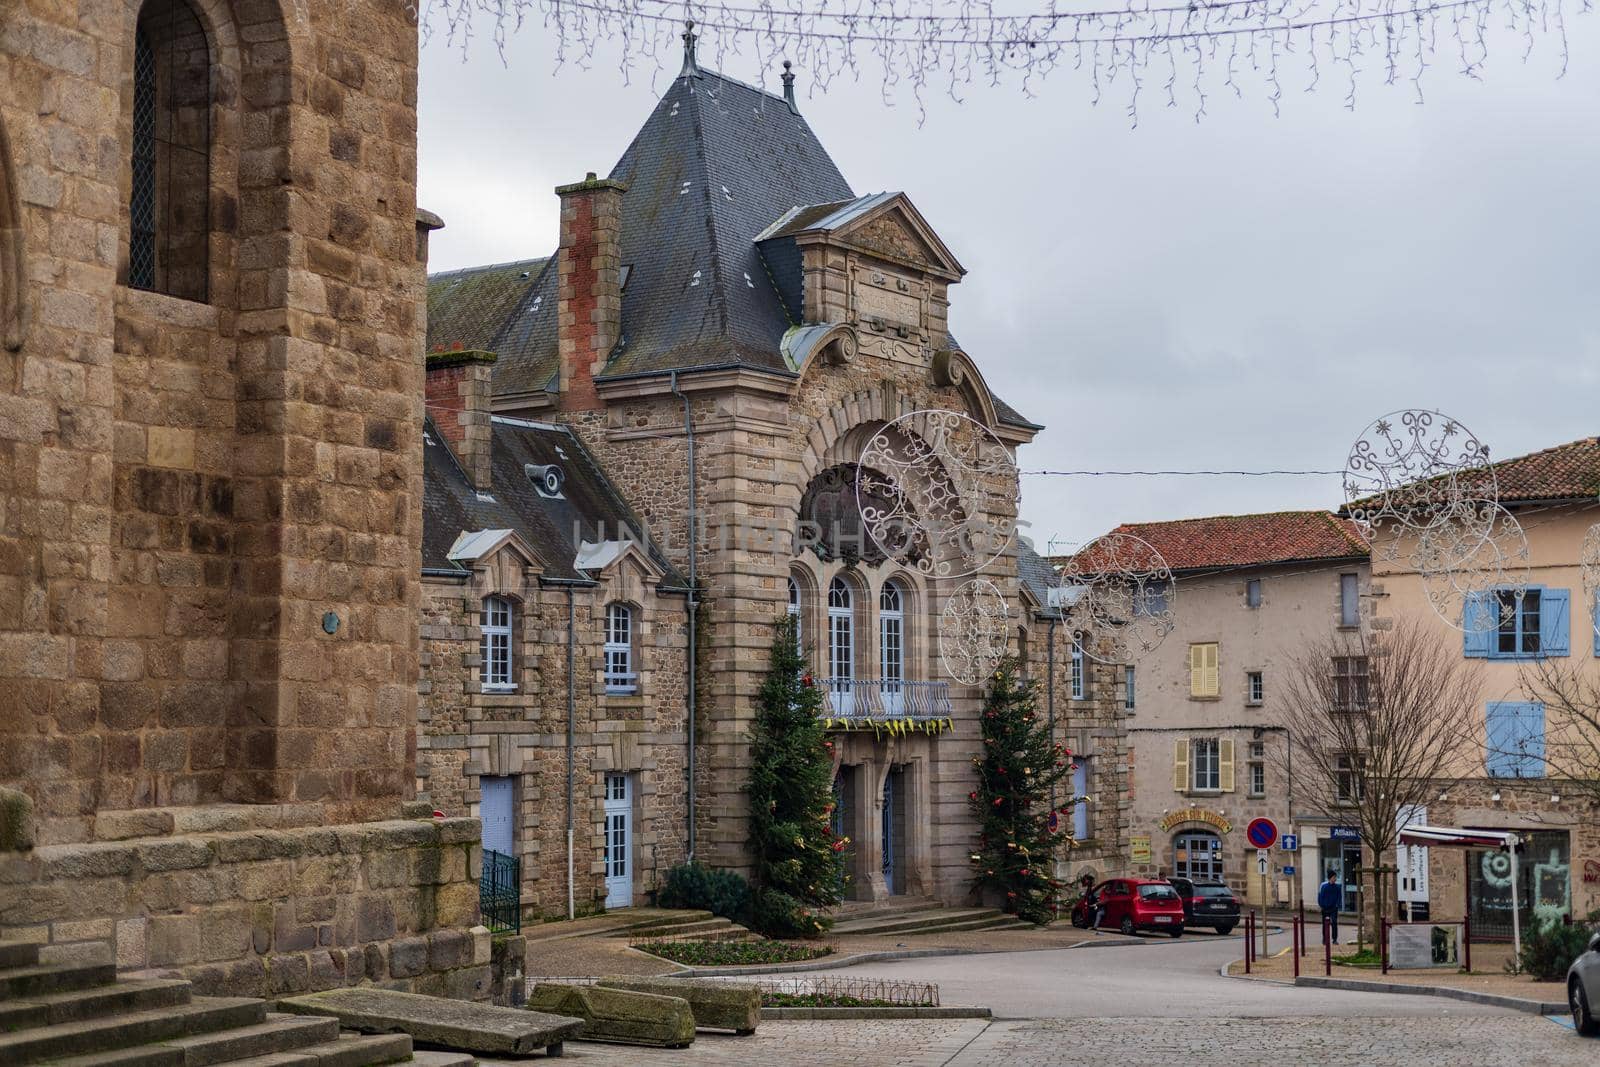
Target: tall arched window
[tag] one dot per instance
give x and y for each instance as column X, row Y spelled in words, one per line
column 496, row 624
column 793, row 608
column 892, row 645
column 169, row 202
column 841, row 646
column 620, row 674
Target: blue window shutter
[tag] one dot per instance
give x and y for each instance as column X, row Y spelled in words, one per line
column 1555, row 622
column 1501, row 761
column 1531, row 741
column 1475, row 622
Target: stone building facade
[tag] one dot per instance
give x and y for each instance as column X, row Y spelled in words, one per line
column 211, row 282
column 1209, row 749
column 724, row 325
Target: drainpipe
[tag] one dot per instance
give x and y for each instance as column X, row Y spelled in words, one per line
column 692, row 602
column 1050, row 691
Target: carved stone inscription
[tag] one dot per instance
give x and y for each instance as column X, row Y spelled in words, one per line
column 890, row 313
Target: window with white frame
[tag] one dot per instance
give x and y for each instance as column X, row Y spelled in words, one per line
column 1075, row 677
column 1350, row 772
column 892, row 642
column 793, row 608
column 1519, row 627
column 1254, row 688
column 1252, row 593
column 495, row 646
column 1205, row 764
column 1350, row 686
column 1080, row 788
column 841, row 631
column 1258, row 768
column 1127, row 688
column 620, row 674
column 1349, row 600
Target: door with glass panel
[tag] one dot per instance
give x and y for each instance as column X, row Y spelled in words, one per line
column 892, row 648
column 841, row 647
column 619, row 841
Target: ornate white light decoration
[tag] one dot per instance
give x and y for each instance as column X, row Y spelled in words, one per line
column 1589, row 569
column 1420, row 486
column 973, row 631
column 938, row 491
column 1118, row 591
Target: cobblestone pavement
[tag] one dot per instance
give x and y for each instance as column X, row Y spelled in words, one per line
column 1445, row 1041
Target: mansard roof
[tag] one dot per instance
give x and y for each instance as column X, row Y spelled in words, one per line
column 716, row 165
column 589, row 508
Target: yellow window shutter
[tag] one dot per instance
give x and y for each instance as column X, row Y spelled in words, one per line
column 1212, row 686
column 1196, row 669
column 1180, row 766
column 1225, row 764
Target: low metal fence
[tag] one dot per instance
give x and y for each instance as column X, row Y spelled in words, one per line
column 500, row 892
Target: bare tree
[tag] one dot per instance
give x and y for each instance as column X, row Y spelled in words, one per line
column 1375, row 719
column 1570, row 696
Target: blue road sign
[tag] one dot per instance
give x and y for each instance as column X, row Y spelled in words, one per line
column 1290, row 843
column 1288, row 870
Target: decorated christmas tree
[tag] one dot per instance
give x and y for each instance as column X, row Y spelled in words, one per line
column 799, row 862
column 1017, row 768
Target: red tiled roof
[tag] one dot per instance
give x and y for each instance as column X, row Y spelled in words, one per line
column 1569, row 471
column 1249, row 540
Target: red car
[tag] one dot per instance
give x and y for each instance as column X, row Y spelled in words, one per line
column 1133, row 904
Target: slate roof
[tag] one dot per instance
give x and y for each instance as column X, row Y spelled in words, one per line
column 590, row 508
column 1037, row 573
column 717, row 163
column 1230, row 541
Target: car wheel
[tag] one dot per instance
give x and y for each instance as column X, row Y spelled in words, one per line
column 1583, row 1019
column 1127, row 925
column 1080, row 921
column 1176, row 932
column 1225, row 928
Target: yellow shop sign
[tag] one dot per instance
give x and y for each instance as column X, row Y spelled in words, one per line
column 1210, row 818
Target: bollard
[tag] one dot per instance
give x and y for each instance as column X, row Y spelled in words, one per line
column 1302, row 928
column 1383, row 945
column 1466, row 940
column 1297, row 941
column 1327, row 949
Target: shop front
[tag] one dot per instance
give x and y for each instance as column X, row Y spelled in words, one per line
column 1339, row 854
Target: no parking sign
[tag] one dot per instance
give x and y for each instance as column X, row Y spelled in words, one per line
column 1262, row 832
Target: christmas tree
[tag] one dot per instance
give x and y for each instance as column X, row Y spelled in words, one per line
column 799, row 862
column 1018, row 766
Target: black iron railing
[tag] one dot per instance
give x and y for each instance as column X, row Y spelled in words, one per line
column 500, row 892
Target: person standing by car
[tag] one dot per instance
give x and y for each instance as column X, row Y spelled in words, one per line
column 1329, row 898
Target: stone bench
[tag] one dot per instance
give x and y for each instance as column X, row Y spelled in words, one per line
column 619, row 1016
column 716, row 1005
column 453, row 1024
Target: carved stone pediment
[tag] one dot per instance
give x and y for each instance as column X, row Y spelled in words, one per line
column 896, row 231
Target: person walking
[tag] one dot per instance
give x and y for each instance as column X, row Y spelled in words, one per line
column 1329, row 898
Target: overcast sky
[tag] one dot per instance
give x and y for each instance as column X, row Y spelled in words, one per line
column 1248, row 292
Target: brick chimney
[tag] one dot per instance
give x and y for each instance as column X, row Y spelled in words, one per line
column 458, row 402
column 589, row 269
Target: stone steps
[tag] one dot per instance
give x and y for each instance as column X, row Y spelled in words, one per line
column 929, row 921
column 892, row 908
column 701, row 928
column 79, row 1015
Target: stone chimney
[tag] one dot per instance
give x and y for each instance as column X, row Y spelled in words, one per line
column 458, row 402
column 589, row 272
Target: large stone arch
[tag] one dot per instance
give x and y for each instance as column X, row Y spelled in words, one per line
column 13, row 291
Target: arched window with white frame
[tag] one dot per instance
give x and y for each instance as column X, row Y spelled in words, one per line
column 793, row 608
column 892, row 646
column 841, row 645
column 495, row 671
column 621, row 677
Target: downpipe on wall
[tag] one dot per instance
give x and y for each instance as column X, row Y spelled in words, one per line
column 693, row 603
column 572, row 722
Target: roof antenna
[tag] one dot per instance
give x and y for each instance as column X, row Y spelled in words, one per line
column 691, row 69
column 788, row 88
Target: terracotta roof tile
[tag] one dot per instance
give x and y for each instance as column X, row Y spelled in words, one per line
column 1249, row 540
column 1569, row 471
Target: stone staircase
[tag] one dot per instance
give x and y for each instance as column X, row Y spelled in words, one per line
column 81, row 1015
column 911, row 916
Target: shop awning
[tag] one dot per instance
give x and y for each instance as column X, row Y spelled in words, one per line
column 1453, row 837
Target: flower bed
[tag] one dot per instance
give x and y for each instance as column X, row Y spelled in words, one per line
column 734, row 953
column 822, row 1000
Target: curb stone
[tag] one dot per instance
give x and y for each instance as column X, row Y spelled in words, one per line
column 826, row 963
column 876, row 1013
column 1495, row 1000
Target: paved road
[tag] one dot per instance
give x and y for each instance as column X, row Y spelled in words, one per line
column 1159, row 1003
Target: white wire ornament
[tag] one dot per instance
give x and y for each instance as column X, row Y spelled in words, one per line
column 1421, row 488
column 938, row 491
column 1118, row 592
column 1589, row 571
column 973, row 631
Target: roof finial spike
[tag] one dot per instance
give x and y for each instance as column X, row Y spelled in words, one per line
column 788, row 87
column 691, row 69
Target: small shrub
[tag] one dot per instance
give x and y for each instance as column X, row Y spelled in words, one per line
column 1365, row 958
column 696, row 886
column 1549, row 948
column 777, row 914
column 732, row 953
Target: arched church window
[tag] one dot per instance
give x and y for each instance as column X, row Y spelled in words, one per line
column 169, row 203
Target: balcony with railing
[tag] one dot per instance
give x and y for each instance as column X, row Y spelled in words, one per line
column 885, row 699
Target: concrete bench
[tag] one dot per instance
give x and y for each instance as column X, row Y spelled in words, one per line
column 619, row 1016
column 716, row 1005
column 453, row 1024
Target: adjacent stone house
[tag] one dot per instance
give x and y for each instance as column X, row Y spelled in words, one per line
column 1541, row 624
column 1253, row 594
column 211, row 283
column 724, row 325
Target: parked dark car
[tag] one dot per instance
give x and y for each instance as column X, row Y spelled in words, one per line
column 1133, row 904
column 1583, row 990
column 1207, row 904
